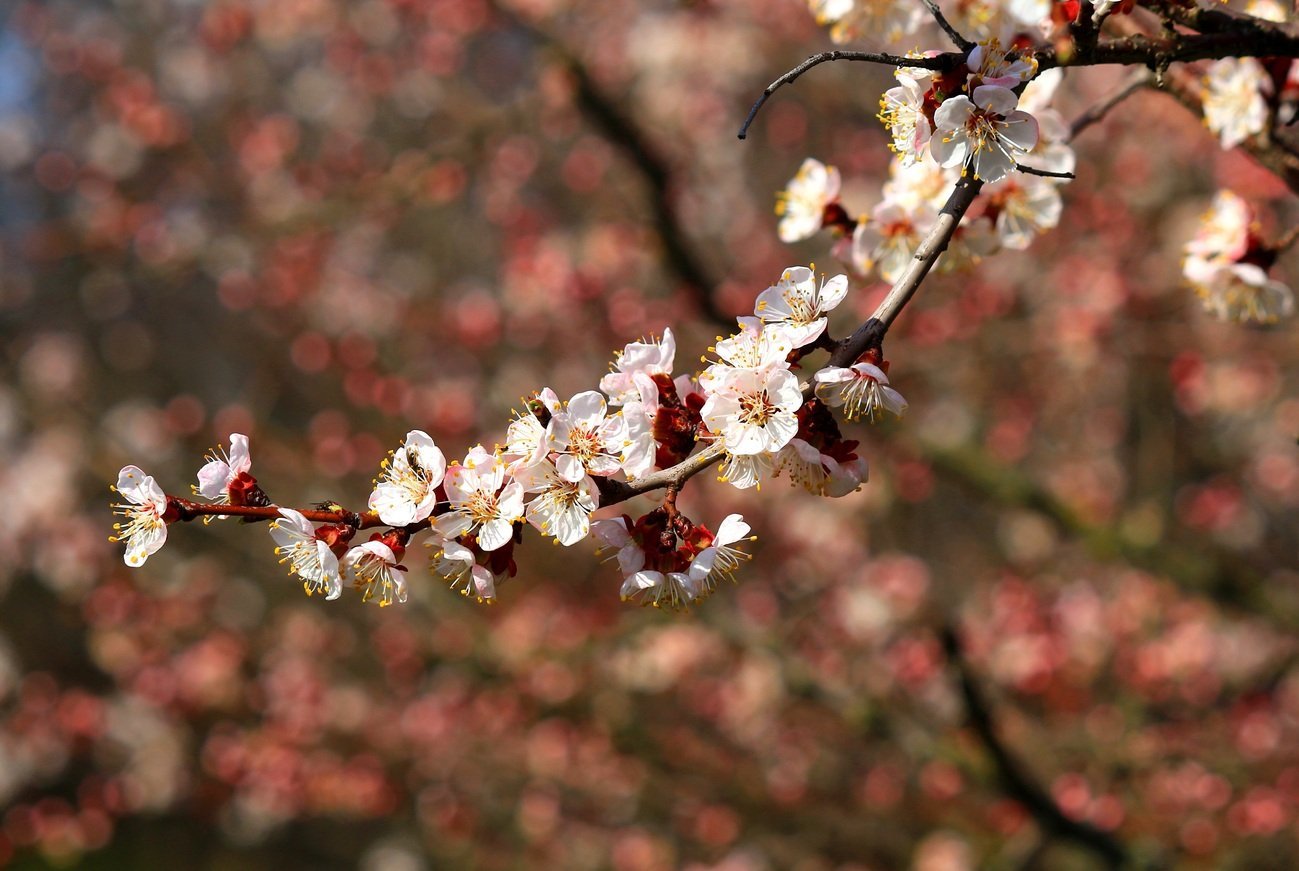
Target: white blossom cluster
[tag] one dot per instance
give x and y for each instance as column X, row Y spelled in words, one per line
column 1226, row 265
column 986, row 118
column 748, row 401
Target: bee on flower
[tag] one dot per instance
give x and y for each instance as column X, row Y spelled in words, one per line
column 407, row 491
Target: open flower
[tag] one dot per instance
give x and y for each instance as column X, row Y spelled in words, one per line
column 407, row 492
column 991, row 65
column 526, row 441
column 744, row 472
column 225, row 479
column 481, row 501
column 753, row 411
column 902, row 110
column 562, row 508
column 721, row 558
column 308, row 557
column 850, row 20
column 1024, row 207
column 987, row 134
column 888, row 239
column 1240, row 292
column 634, row 367
column 145, row 511
column 587, row 440
column 1225, row 230
column 861, row 389
column 758, row 347
column 1234, row 107
column 799, row 304
column 458, row 566
column 372, row 569
column 801, row 205
column 673, row 590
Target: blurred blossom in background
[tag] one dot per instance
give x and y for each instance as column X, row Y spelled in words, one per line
column 325, row 223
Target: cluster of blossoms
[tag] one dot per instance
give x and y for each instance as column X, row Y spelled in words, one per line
column 991, row 115
column 1227, row 264
column 560, row 460
column 986, row 118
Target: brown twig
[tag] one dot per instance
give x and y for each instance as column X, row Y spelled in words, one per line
column 952, row 33
column 871, row 333
column 1044, row 173
column 939, row 63
column 1289, row 238
column 1139, row 80
column 1015, row 779
column 1155, row 53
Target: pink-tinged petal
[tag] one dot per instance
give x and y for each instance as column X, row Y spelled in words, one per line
column 241, row 459
column 153, row 494
column 558, row 430
column 484, row 583
column 587, row 409
column 805, row 334
column 611, row 531
column 509, row 504
column 641, row 581
column 782, row 427
column 1020, row 130
column 129, row 481
column 950, row 149
column 833, row 375
column 144, row 545
column 603, row 465
column 393, row 505
column 329, row 577
column 833, row 292
column 537, row 477
column 631, row 559
column 992, row 165
column 452, row 525
column 995, row 99
column 892, row 401
column 378, row 550
column 638, row 458
column 571, row 525
column 550, row 399
column 770, row 304
column 953, row 114
column 454, row 550
column 648, row 390
column 870, row 371
column 460, row 483
column 570, row 468
column 428, row 455
column 846, row 478
column 213, row 478
column 496, row 533
column 746, row 439
column 690, row 588
column 783, row 391
column 291, row 528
